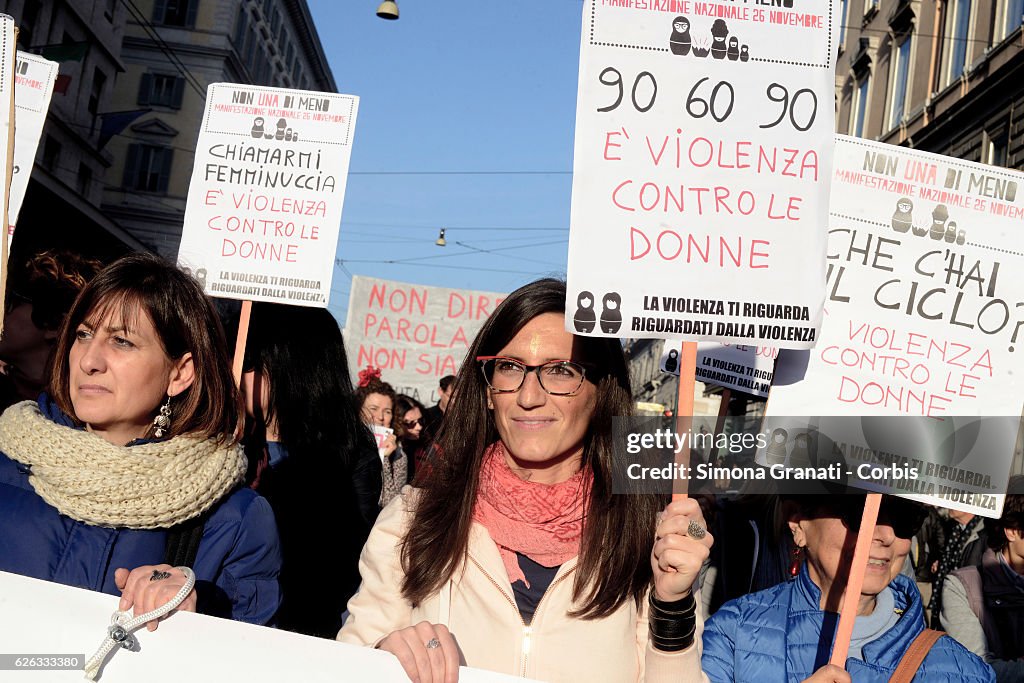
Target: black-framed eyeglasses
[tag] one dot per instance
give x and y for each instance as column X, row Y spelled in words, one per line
column 556, row 377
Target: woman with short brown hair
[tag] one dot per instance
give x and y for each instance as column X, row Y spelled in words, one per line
column 129, row 468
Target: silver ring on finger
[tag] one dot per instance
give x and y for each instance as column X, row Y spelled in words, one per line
column 695, row 530
column 433, row 644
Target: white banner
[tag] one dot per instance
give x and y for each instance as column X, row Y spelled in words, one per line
column 925, row 309
column 7, row 58
column 265, row 201
column 34, row 78
column 415, row 334
column 704, row 137
column 744, row 368
column 42, row 623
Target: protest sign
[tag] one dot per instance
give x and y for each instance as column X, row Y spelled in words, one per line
column 44, row 623
column 415, row 334
column 265, row 200
column 7, row 53
column 923, row 318
column 33, row 85
column 734, row 366
column 704, row 136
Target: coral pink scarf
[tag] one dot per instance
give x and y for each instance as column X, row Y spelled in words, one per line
column 542, row 521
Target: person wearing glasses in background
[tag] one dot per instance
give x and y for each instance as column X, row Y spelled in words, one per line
column 515, row 556
column 785, row 633
column 411, row 429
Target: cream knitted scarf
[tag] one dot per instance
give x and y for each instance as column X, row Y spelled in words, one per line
column 148, row 486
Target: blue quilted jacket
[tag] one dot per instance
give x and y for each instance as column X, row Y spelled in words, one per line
column 774, row 635
column 236, row 567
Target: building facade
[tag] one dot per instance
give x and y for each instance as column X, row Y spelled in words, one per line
column 147, row 64
column 939, row 75
column 64, row 196
column 172, row 50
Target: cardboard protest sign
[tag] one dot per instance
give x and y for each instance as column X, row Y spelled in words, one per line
column 415, row 334
column 924, row 318
column 7, row 53
column 704, row 137
column 735, row 366
column 44, row 623
column 33, row 85
column 265, row 200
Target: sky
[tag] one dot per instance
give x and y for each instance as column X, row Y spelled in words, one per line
column 466, row 120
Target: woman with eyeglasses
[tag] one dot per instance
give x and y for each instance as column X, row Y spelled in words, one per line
column 785, row 633
column 412, row 433
column 515, row 556
column 310, row 456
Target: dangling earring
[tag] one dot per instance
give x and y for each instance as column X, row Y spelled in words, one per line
column 163, row 420
column 798, row 560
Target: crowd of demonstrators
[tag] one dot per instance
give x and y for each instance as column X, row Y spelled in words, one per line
column 39, row 294
column 435, row 414
column 784, row 633
column 514, row 555
column 521, row 507
column 311, row 457
column 983, row 604
column 965, row 542
column 376, row 401
column 413, row 436
column 128, row 467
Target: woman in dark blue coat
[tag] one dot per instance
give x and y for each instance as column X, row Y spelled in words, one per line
column 785, row 633
column 129, row 466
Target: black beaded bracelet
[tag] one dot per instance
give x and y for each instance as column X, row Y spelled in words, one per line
column 672, row 624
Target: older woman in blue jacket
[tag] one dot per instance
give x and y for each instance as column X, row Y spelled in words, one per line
column 128, row 467
column 785, row 633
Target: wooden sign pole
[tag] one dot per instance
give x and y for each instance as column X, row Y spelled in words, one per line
column 684, row 411
column 851, row 599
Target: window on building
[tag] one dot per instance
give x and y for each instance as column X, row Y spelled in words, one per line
column 297, row 73
column 859, row 109
column 899, row 80
column 842, row 22
column 289, row 55
column 162, row 90
column 241, row 27
column 51, row 153
column 175, row 12
column 108, row 10
column 870, row 7
column 27, row 24
column 147, row 168
column 996, row 148
column 958, row 25
column 275, row 21
column 84, row 181
column 1011, row 19
column 99, row 79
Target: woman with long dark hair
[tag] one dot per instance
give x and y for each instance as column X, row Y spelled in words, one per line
column 515, row 556
column 311, row 457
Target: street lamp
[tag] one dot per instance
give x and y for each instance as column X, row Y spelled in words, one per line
column 440, row 239
column 388, row 10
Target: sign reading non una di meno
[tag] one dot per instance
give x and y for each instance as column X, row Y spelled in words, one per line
column 265, row 200
column 924, row 319
column 704, row 136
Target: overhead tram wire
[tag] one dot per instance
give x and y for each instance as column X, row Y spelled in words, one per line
column 434, row 265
